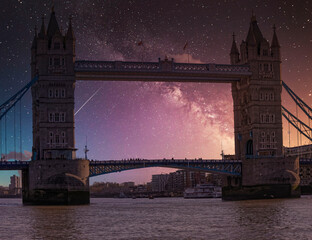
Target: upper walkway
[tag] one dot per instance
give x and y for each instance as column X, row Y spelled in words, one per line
column 161, row 71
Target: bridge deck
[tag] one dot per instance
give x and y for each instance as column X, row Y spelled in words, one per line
column 162, row 71
column 229, row 167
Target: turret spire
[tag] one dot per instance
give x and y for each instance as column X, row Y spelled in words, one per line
column 53, row 27
column 42, row 32
column 275, row 42
column 70, row 32
column 34, row 43
column 234, row 48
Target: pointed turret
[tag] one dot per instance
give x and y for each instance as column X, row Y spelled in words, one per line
column 70, row 39
column 275, row 47
column 275, row 42
column 251, row 39
column 34, row 42
column 53, row 27
column 42, row 33
column 255, row 40
column 70, row 32
column 234, row 52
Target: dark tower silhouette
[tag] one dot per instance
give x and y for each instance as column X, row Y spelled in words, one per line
column 55, row 175
column 257, row 100
column 258, row 122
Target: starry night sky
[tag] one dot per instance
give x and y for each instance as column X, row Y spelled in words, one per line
column 153, row 120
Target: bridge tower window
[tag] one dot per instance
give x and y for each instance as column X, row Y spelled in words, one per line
column 51, row 137
column 50, row 93
column 63, row 137
column 57, row 139
column 56, row 117
column 51, row 117
column 249, row 147
column 261, row 96
column 57, row 45
column 63, row 93
column 62, row 117
column 57, row 61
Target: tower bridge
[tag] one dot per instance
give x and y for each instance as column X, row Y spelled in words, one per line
column 56, row 176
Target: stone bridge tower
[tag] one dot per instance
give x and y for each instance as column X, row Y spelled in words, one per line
column 55, row 175
column 258, row 122
column 257, row 99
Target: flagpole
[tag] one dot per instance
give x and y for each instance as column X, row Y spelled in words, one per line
column 188, row 55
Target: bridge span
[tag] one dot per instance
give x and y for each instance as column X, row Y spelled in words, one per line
column 228, row 167
column 96, row 168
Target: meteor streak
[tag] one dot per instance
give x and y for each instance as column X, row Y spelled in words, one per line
column 88, row 100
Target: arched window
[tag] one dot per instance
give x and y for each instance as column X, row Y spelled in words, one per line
column 249, row 147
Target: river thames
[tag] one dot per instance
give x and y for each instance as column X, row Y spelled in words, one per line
column 159, row 218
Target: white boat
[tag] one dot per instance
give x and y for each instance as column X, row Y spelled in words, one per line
column 203, row 191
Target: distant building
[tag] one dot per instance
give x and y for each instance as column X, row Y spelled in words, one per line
column 127, row 184
column 176, row 182
column 159, row 182
column 15, row 185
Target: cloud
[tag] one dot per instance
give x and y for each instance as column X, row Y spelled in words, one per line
column 11, row 156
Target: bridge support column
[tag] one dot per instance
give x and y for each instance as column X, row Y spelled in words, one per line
column 266, row 178
column 57, row 182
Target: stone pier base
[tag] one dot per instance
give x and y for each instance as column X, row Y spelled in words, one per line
column 265, row 178
column 56, row 182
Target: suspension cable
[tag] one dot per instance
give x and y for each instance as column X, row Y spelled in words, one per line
column 14, row 131
column 5, row 137
column 20, row 123
column 288, row 134
column 1, row 140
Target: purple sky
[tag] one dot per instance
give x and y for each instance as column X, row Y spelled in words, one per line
column 154, row 120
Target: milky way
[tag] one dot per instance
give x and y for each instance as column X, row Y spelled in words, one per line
column 154, row 120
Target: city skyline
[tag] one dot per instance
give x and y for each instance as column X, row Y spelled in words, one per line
column 155, row 120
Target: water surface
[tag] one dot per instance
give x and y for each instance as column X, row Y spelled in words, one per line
column 160, row 218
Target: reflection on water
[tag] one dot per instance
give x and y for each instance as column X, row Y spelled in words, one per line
column 166, row 218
